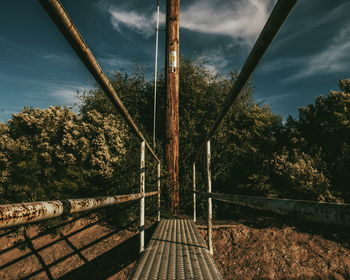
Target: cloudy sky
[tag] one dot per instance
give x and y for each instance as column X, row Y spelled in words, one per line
column 38, row 68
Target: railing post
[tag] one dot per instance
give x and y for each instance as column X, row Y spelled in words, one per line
column 194, row 192
column 142, row 200
column 210, row 222
column 158, row 185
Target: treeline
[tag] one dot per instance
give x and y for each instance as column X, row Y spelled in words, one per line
column 59, row 153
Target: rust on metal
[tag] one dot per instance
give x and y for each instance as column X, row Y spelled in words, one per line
column 60, row 17
column 24, row 213
column 276, row 19
column 337, row 214
column 210, row 210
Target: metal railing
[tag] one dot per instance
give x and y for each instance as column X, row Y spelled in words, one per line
column 328, row 213
column 25, row 213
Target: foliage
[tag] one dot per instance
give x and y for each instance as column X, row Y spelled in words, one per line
column 54, row 153
column 325, row 130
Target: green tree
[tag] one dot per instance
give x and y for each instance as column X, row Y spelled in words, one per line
column 324, row 128
column 241, row 146
column 54, row 153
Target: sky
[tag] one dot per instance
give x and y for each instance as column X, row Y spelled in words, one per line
column 38, row 68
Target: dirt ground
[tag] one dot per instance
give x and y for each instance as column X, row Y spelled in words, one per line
column 265, row 248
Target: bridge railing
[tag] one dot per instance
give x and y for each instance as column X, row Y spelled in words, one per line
column 25, row 213
column 329, row 213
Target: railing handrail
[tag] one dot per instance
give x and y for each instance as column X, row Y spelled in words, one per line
column 330, row 213
column 15, row 214
column 276, row 19
column 60, row 17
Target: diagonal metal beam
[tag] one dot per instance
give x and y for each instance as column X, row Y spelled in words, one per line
column 60, row 17
column 277, row 17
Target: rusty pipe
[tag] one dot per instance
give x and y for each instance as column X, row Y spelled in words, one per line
column 60, row 17
column 276, row 19
column 29, row 212
column 325, row 213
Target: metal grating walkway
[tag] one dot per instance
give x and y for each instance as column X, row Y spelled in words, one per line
column 176, row 251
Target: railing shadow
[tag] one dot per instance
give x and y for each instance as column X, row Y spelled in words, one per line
column 42, row 261
column 262, row 219
column 112, row 261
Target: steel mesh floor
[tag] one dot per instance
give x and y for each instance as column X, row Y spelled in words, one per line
column 176, row 251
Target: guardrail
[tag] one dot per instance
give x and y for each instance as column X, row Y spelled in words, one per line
column 336, row 214
column 326, row 213
column 25, row 213
column 276, row 19
column 60, row 17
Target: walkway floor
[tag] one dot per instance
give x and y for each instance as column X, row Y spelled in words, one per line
column 176, row 251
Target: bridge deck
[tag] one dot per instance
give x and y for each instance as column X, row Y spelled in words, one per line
column 176, row 251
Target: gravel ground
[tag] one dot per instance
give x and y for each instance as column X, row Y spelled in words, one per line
column 265, row 249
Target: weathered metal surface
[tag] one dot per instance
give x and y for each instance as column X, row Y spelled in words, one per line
column 326, row 213
column 24, row 213
column 276, row 19
column 158, row 188
column 142, row 200
column 210, row 210
column 56, row 11
column 176, row 251
column 194, row 191
column 172, row 102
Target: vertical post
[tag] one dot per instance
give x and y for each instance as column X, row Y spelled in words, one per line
column 158, row 185
column 194, row 192
column 155, row 79
column 210, row 222
column 172, row 102
column 142, row 201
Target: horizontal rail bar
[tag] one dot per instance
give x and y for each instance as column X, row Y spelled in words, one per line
column 278, row 15
column 56, row 11
column 29, row 212
column 320, row 212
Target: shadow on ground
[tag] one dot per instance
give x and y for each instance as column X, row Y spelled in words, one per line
column 84, row 249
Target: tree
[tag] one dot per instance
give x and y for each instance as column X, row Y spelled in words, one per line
column 243, row 143
column 54, row 153
column 325, row 129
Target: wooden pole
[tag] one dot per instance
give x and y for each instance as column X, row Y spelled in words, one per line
column 172, row 103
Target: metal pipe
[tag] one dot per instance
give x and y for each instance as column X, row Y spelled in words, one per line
column 30, row 212
column 60, row 17
column 210, row 210
column 277, row 17
column 194, row 192
column 142, row 201
column 325, row 213
column 155, row 79
column 158, row 187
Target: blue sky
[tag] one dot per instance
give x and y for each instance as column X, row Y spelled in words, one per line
column 307, row 58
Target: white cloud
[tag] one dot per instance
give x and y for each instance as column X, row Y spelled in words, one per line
column 112, row 62
column 239, row 19
column 213, row 60
column 335, row 58
column 142, row 24
column 308, row 24
column 243, row 19
column 66, row 95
